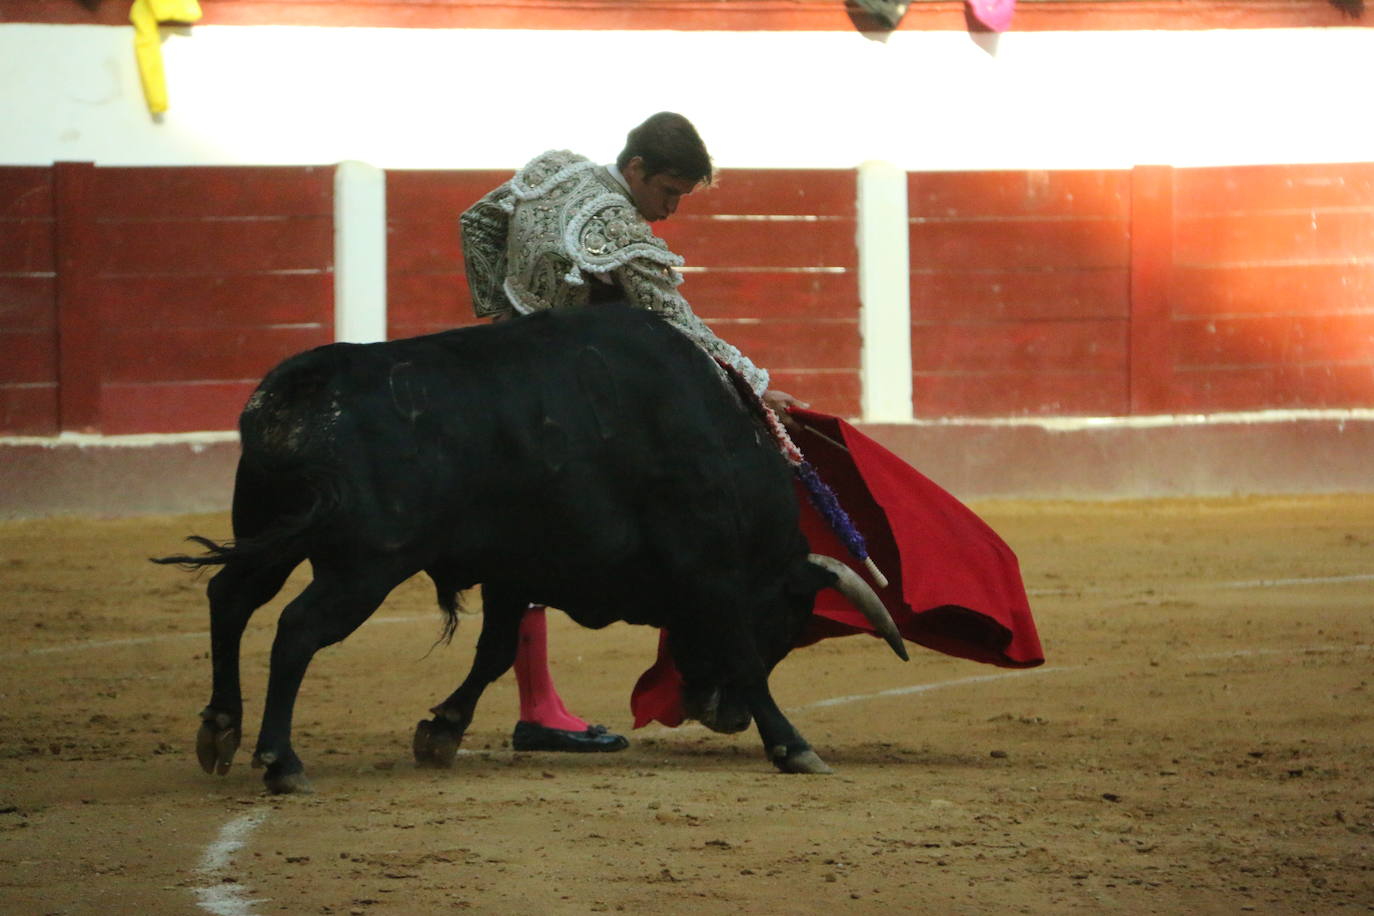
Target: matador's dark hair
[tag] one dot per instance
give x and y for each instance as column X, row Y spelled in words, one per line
column 667, row 142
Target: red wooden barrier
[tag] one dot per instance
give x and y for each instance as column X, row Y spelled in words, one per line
column 427, row 289
column 1273, row 302
column 152, row 299
column 1020, row 288
column 771, row 267
column 28, row 303
column 1149, row 373
column 1153, row 291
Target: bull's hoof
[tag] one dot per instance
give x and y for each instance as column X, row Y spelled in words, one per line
column 436, row 743
column 287, row 784
column 282, row 778
column 216, row 741
column 799, row 761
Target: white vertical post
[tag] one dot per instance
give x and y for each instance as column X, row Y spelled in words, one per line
column 884, row 294
column 359, row 253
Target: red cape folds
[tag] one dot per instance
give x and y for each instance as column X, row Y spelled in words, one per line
column 953, row 585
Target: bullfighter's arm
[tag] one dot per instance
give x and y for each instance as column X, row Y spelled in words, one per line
column 653, row 286
column 484, row 226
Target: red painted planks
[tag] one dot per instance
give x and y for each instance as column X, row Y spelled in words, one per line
column 26, row 246
column 1003, row 306
column 217, row 301
column 983, row 295
column 427, row 287
column 708, row 242
column 1274, row 340
column 766, row 294
column 205, row 192
column 776, row 192
column 424, row 246
column 1152, row 266
column 397, row 330
column 439, row 193
column 1271, row 387
column 798, row 266
column 1018, row 194
column 173, row 408
column 1032, row 346
column 1001, row 244
column 1040, row 393
column 1019, row 291
column 28, row 410
column 27, row 303
column 195, row 246
column 1282, row 289
column 1289, row 237
column 135, row 355
column 788, row 192
column 829, row 391
column 794, row 345
column 81, row 358
column 25, row 193
column 1257, row 188
column 1275, row 266
column 183, row 274
column 437, row 299
column 30, row 356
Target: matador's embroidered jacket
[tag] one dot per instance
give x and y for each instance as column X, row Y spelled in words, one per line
column 562, row 226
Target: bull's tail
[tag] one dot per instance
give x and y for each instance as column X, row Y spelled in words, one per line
column 283, row 541
column 216, row 554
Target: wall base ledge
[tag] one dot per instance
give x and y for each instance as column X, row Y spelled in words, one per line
column 1272, row 452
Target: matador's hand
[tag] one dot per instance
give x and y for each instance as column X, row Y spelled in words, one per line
column 779, row 402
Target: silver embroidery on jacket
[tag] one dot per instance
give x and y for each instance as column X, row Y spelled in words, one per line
column 530, row 242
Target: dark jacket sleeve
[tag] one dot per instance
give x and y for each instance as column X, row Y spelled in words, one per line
column 483, row 227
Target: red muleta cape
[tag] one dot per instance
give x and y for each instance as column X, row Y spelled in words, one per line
column 953, row 585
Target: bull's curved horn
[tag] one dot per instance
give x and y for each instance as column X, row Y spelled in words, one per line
column 862, row 596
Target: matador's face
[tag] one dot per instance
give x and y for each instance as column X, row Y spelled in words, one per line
column 655, row 196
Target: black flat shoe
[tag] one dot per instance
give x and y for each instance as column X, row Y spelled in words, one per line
column 530, row 736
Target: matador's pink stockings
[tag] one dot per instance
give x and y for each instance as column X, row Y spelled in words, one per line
column 539, row 701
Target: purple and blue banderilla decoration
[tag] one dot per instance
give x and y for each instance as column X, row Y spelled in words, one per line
column 822, row 498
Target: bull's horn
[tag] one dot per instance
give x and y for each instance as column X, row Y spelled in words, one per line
column 862, row 596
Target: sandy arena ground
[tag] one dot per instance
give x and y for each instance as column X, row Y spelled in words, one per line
column 1199, row 741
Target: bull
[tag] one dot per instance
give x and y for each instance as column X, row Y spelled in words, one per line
column 592, row 460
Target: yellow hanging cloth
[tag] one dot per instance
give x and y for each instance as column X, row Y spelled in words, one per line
column 145, row 16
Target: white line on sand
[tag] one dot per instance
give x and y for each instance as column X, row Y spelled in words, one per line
column 926, row 688
column 222, row 894
column 1175, row 586
column 983, row 678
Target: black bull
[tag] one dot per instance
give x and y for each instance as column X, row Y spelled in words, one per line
column 596, row 461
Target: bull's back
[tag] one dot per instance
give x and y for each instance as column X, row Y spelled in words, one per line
column 584, row 422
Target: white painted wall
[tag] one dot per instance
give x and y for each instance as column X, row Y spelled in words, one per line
column 491, row 99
